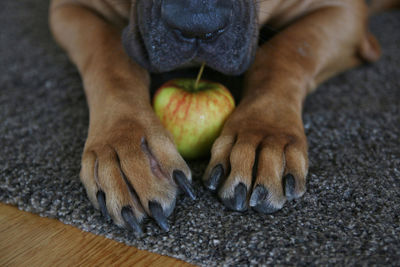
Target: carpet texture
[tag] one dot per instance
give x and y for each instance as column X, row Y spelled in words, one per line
column 349, row 215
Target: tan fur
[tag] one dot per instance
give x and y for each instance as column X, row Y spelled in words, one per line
column 319, row 39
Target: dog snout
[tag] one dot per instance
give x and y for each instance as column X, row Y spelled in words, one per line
column 197, row 19
column 164, row 35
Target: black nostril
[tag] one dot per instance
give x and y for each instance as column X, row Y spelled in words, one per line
column 209, row 36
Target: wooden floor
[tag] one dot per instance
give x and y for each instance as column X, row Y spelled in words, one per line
column 29, row 240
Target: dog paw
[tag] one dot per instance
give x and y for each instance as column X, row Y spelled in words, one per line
column 258, row 162
column 131, row 171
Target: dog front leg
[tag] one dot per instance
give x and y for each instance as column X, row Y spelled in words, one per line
column 260, row 159
column 130, row 166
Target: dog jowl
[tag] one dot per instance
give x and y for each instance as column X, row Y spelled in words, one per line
column 167, row 34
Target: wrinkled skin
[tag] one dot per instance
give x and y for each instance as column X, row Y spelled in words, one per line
column 151, row 41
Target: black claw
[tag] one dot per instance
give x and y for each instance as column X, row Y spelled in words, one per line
column 216, row 174
column 101, row 199
column 130, row 220
column 158, row 215
column 238, row 202
column 260, row 194
column 259, row 200
column 289, row 185
column 181, row 180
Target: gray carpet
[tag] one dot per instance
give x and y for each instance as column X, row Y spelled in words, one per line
column 349, row 215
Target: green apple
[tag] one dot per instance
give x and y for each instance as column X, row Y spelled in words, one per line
column 194, row 112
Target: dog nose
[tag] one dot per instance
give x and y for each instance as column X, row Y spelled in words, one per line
column 201, row 19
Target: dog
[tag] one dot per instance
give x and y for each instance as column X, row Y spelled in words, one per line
column 130, row 166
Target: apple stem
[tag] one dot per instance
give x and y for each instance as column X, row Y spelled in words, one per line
column 196, row 85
